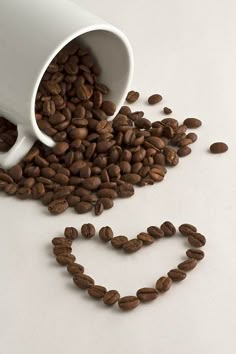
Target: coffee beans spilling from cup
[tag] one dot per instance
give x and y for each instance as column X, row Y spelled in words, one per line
column 62, row 249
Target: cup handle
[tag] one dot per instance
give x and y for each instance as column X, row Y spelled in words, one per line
column 22, row 145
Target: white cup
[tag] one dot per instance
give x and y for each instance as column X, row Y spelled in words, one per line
column 31, row 34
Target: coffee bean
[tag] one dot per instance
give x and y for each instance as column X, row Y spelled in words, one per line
column 106, row 202
column 98, row 208
column 38, row 190
column 156, row 174
column 167, row 110
column 132, row 96
column 172, row 158
column 184, row 142
column 163, row 284
column 192, row 123
column 192, row 136
column 155, row 143
column 118, row 241
column 108, row 107
column 147, row 294
column 83, row 207
column 88, row 230
column 176, row 275
column 60, row 148
column 16, row 172
column 168, row 228
column 97, row 291
column 56, row 241
column 10, row 189
column 145, row 238
column 107, row 193
column 58, row 206
column 132, row 245
column 47, row 198
column 72, row 200
column 6, row 178
column 74, row 268
column 195, row 254
column 83, row 281
column 184, row 151
column 187, row 265
column 155, row 232
column 125, row 190
column 131, row 178
column 23, row 193
column 111, row 297
column 154, row 99
column 91, row 183
column 71, row 233
column 197, row 240
column 218, row 148
column 106, row 234
column 65, row 259
column 84, row 92
column 128, row 302
column 187, row 229
column 62, row 250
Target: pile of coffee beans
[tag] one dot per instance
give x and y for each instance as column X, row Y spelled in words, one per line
column 8, row 134
column 63, row 252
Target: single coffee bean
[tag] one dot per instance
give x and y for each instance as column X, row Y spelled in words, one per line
column 168, row 228
column 184, row 151
column 192, row 136
column 97, row 291
column 10, row 189
column 172, row 158
column 72, row 200
column 154, row 142
column 132, row 96
column 128, row 302
column 106, row 234
column 57, row 241
column 23, row 193
column 99, row 208
column 65, row 259
column 88, row 230
column 6, row 178
column 58, row 206
column 106, row 202
column 47, row 198
column 154, row 99
column 60, row 148
column 155, row 232
column 83, row 281
column 107, row 193
column 132, row 245
column 125, row 190
column 83, row 207
column 131, row 178
column 108, row 107
column 111, row 297
column 75, row 268
column 15, row 172
column 195, row 254
column 197, row 240
column 118, row 241
column 145, row 238
column 38, row 190
column 218, row 148
column 192, row 123
column 187, row 229
column 163, row 284
column 167, row 110
column 184, row 142
column 177, row 275
column 187, row 265
column 71, row 233
column 62, row 250
column 147, row 294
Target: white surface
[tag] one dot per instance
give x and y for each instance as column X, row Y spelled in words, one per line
column 36, row 44
column 185, row 50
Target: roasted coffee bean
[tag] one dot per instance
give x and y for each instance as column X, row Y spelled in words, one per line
column 132, row 96
column 163, row 284
column 107, row 193
column 131, row 178
column 184, row 151
column 38, row 190
column 155, row 232
column 106, row 202
column 83, row 207
column 197, row 240
column 108, row 107
column 167, row 110
column 57, row 241
column 172, row 158
column 154, row 99
column 125, row 190
column 132, row 245
column 187, row 229
column 184, row 142
column 23, row 193
column 6, row 178
column 10, row 189
column 15, row 172
column 106, row 234
column 156, row 174
column 168, row 228
column 65, row 259
column 118, row 241
column 192, row 123
column 147, row 294
column 218, row 148
column 128, row 302
column 98, row 208
column 62, row 250
column 111, row 297
column 71, row 233
column 47, row 198
column 72, row 200
column 195, row 254
column 75, row 268
column 88, row 230
column 83, row 281
column 60, row 148
column 187, row 265
column 177, row 275
column 97, row 291
column 58, row 206
column 155, row 143
column 145, row 238
column 192, row 136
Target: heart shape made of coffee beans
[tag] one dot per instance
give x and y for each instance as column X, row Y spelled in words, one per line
column 63, row 252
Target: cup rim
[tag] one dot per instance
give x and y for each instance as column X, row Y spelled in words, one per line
column 98, row 27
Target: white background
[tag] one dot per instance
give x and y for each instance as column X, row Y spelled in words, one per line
column 185, row 50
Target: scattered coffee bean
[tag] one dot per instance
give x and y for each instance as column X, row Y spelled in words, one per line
column 97, row 291
column 147, row 294
column 192, row 123
column 187, row 229
column 83, row 281
column 58, row 206
column 111, row 297
column 74, row 268
column 218, row 148
column 167, row 110
column 145, row 238
column 118, row 241
column 195, row 253
column 132, row 245
column 71, row 233
column 132, row 96
column 106, row 234
column 154, row 99
column 168, row 228
column 65, row 259
column 83, row 207
column 192, row 136
column 155, row 232
column 98, row 209
column 176, row 274
column 184, row 151
column 187, row 265
column 163, row 284
column 62, row 250
column 197, row 240
column 88, row 230
column 56, row 241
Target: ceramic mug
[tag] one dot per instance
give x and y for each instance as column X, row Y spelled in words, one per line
column 31, row 34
